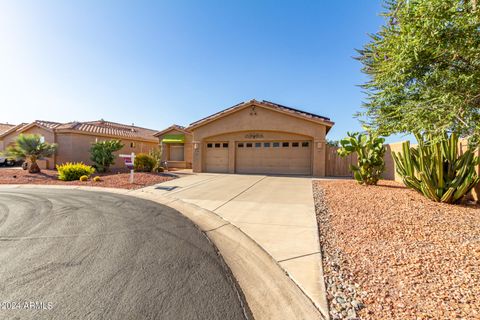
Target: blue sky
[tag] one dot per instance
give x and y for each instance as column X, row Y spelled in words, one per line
column 162, row 62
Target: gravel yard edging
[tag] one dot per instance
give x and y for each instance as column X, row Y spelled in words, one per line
column 343, row 294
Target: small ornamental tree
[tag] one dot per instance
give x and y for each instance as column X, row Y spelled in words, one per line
column 424, row 69
column 101, row 153
column 30, row 147
column 370, row 153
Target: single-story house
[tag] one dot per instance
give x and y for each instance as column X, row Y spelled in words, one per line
column 74, row 139
column 258, row 137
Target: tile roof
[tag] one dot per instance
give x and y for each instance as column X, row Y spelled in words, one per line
column 172, row 127
column 103, row 127
column 266, row 103
column 100, row 127
column 47, row 124
column 4, row 127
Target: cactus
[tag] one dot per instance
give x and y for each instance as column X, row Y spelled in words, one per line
column 370, row 152
column 437, row 169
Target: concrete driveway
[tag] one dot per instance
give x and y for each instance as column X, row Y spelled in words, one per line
column 277, row 212
column 70, row 254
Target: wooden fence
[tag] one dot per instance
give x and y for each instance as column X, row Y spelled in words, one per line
column 336, row 166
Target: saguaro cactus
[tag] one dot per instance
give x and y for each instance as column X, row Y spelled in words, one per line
column 437, row 169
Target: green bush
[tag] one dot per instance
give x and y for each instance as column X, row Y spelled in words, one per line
column 83, row 178
column 370, row 152
column 73, row 171
column 101, row 153
column 156, row 154
column 437, row 169
column 144, row 163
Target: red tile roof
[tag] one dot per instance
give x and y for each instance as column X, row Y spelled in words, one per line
column 110, row 129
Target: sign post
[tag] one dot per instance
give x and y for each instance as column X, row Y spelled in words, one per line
column 129, row 162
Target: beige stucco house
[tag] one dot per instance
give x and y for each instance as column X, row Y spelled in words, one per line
column 75, row 138
column 251, row 137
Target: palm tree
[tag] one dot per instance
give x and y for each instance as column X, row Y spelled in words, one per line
column 31, row 147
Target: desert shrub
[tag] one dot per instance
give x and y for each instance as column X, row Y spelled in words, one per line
column 144, row 163
column 73, row 171
column 156, row 154
column 83, row 178
column 437, row 169
column 370, row 152
column 96, row 179
column 101, row 153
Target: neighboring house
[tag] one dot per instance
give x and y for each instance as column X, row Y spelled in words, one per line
column 75, row 138
column 259, row 137
column 4, row 127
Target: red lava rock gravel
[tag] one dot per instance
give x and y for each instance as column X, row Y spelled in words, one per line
column 110, row 180
column 397, row 254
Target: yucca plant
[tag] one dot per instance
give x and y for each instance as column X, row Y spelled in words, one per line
column 370, row 152
column 437, row 169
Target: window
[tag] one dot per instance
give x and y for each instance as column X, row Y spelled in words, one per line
column 249, row 145
column 240, row 145
column 42, row 139
column 266, row 145
column 258, row 144
column 217, row 145
column 305, row 144
column 209, row 145
column 285, row 144
column 225, row 145
column 132, row 144
column 295, row 144
column 276, row 144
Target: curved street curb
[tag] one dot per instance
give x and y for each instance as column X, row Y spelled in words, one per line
column 270, row 293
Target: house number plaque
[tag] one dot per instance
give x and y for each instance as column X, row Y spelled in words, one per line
column 254, row 136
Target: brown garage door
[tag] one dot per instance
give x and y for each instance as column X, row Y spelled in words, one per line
column 216, row 158
column 274, row 157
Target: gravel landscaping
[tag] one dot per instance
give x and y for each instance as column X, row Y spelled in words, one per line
column 389, row 253
column 117, row 179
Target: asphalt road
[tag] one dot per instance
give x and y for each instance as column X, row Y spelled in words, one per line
column 69, row 254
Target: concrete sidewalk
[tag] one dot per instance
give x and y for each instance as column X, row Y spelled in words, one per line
column 277, row 212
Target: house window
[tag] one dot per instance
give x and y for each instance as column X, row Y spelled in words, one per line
column 295, row 144
column 266, row 145
column 276, row 144
column 285, row 144
column 209, row 145
column 42, row 139
column 225, row 145
column 132, row 144
column 258, row 144
column 240, row 145
column 305, row 144
column 217, row 145
column 249, row 145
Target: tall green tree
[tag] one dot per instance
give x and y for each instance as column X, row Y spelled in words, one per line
column 424, row 69
column 31, row 148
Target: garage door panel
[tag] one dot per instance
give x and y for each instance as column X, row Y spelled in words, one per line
column 284, row 159
column 216, row 158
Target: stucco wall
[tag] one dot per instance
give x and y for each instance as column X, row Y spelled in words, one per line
column 73, row 147
column 252, row 121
